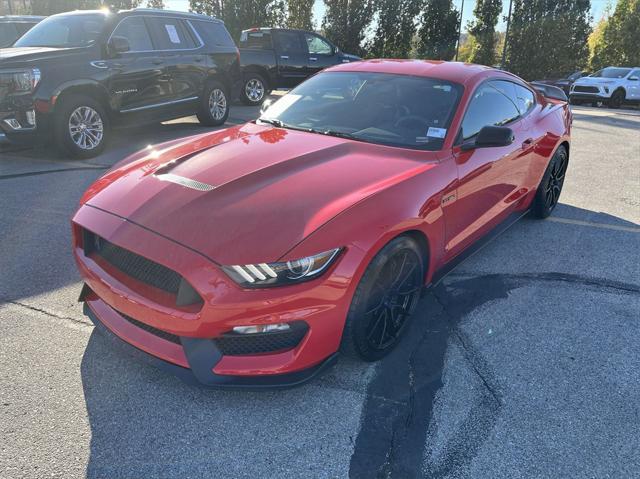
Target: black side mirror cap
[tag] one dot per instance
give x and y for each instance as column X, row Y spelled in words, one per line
column 118, row 45
column 490, row 136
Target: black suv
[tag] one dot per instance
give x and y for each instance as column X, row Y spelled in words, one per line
column 13, row 27
column 76, row 74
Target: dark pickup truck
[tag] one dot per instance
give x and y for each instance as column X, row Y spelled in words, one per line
column 281, row 58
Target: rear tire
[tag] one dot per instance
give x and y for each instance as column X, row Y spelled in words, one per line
column 254, row 89
column 548, row 193
column 81, row 127
column 214, row 105
column 384, row 301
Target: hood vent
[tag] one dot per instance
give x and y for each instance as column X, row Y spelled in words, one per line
column 187, row 182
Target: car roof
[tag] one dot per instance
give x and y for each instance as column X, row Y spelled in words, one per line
column 457, row 72
column 20, row 18
column 145, row 11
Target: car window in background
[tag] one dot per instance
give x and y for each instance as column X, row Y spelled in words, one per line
column 256, row 40
column 24, row 27
column 488, row 107
column 8, row 34
column 213, row 33
column 396, row 110
column 170, row 34
column 317, row 46
column 612, row 73
column 135, row 31
column 289, row 42
column 65, row 31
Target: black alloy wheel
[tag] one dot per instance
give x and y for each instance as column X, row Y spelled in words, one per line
column 550, row 187
column 617, row 99
column 384, row 301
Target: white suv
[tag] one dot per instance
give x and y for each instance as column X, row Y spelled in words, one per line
column 612, row 85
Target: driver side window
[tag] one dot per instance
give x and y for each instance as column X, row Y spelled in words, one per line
column 317, row 46
column 488, row 107
column 135, row 31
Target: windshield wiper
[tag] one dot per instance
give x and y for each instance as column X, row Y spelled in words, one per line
column 338, row 134
column 272, row 121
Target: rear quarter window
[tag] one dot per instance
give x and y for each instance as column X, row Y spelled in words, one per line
column 213, row 33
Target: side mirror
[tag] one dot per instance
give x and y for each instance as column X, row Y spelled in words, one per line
column 490, row 136
column 118, row 45
column 633, row 78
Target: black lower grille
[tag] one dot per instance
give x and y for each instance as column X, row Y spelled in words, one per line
column 150, row 329
column 234, row 344
column 585, row 89
column 140, row 268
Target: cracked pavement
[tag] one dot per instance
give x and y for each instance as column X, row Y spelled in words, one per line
column 523, row 362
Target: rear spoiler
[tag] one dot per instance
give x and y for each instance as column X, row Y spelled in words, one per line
column 549, row 91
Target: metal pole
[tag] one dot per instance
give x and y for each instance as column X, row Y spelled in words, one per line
column 459, row 30
column 506, row 36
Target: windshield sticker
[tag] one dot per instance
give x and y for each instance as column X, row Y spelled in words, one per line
column 422, row 139
column 436, row 132
column 173, row 33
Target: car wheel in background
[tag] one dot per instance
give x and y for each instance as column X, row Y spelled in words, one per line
column 384, row 301
column 617, row 99
column 214, row 105
column 81, row 126
column 550, row 187
column 254, row 89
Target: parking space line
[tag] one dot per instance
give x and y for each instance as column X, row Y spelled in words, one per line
column 628, row 229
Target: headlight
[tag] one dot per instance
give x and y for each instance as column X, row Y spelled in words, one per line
column 263, row 275
column 22, row 81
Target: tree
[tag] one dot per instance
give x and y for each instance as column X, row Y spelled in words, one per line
column 239, row 15
column 300, row 14
column 616, row 39
column 51, row 7
column 483, row 30
column 346, row 21
column 438, row 31
column 395, row 28
column 155, row 4
column 548, row 38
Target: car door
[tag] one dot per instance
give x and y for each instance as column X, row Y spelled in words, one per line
column 291, row 57
column 183, row 53
column 321, row 54
column 490, row 180
column 633, row 85
column 137, row 78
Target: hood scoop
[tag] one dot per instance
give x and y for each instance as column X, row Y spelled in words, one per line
column 187, row 182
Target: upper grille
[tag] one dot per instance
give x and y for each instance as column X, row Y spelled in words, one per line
column 234, row 344
column 585, row 89
column 140, row 268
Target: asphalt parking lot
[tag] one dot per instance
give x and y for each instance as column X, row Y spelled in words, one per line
column 523, row 363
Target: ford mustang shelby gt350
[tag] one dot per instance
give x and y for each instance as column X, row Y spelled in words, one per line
column 252, row 256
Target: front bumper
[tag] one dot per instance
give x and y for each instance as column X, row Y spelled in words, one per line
column 600, row 96
column 202, row 356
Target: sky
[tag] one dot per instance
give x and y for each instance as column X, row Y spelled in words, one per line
column 597, row 9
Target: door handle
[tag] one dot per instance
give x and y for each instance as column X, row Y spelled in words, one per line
column 199, row 59
column 157, row 62
column 284, row 57
column 313, row 59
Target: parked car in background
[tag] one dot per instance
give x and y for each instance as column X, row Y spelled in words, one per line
column 279, row 58
column 564, row 81
column 612, row 85
column 13, row 27
column 77, row 74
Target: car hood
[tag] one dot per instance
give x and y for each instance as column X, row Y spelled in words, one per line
column 597, row 81
column 26, row 55
column 271, row 188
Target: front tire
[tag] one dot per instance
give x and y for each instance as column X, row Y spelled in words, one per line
column 81, row 126
column 551, row 184
column 384, row 301
column 254, row 90
column 617, row 99
column 214, row 105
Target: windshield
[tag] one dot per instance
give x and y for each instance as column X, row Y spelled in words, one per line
column 65, row 31
column 397, row 110
column 612, row 73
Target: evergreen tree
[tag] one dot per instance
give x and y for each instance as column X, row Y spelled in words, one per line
column 155, row 4
column 548, row 38
column 395, row 28
column 346, row 21
column 300, row 14
column 616, row 39
column 483, row 30
column 51, row 7
column 438, row 31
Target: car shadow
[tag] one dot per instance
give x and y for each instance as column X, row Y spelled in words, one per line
column 147, row 423
column 611, row 121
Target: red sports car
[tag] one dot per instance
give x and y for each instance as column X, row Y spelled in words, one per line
column 251, row 256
